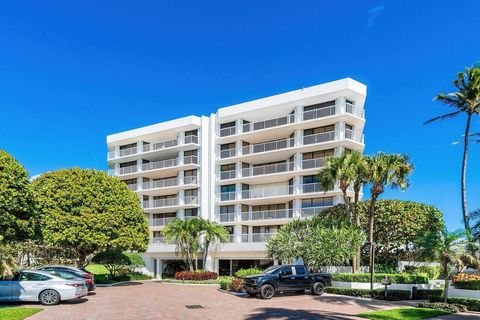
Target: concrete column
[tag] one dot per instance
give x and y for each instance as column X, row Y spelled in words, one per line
column 339, row 130
column 340, row 105
column 116, row 167
column 238, row 148
column 238, row 212
column 237, row 231
column 159, row 268
column 297, row 185
column 181, row 214
column 139, row 164
column 181, row 138
column 238, row 170
column 238, row 191
column 139, row 183
column 239, row 126
column 216, row 266
column 298, row 138
column 181, row 195
column 139, row 146
column 180, row 177
column 298, row 114
column 181, row 158
column 297, row 159
column 297, row 208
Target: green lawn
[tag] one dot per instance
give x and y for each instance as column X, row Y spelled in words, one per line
column 403, row 314
column 96, row 269
column 13, row 313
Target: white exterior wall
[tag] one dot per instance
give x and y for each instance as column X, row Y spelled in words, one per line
column 268, row 184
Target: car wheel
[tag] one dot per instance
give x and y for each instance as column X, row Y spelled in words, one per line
column 267, row 291
column 49, row 297
column 318, row 288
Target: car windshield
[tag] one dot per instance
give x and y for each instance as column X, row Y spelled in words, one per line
column 62, row 274
column 271, row 269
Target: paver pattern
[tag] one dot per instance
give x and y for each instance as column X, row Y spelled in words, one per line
column 155, row 300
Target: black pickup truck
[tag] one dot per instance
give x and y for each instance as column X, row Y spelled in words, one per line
column 286, row 278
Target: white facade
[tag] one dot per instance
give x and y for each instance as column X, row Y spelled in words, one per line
column 250, row 166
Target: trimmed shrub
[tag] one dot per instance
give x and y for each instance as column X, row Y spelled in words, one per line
column 431, row 271
column 225, row 283
column 448, row 307
column 394, row 277
column 242, row 273
column 471, row 304
column 196, row 275
column 465, row 277
column 469, row 285
column 108, row 279
column 393, row 295
column 426, row 294
column 135, row 262
column 236, row 285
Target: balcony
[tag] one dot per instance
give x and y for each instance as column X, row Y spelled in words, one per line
column 311, row 187
column 268, row 169
column 160, row 222
column 161, row 240
column 160, row 164
column 159, row 184
column 127, row 151
column 319, row 113
column 228, row 153
column 267, row 215
column 267, row 192
column 268, row 146
column 319, row 137
column 225, row 132
column 190, row 180
column 127, row 170
column 270, row 123
column 225, row 175
column 191, row 139
column 311, row 211
column 132, row 187
column 190, row 200
column 256, row 237
column 160, row 145
column 314, row 163
column 160, row 203
column 227, row 196
column 226, row 217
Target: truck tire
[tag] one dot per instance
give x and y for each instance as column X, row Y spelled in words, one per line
column 318, row 288
column 267, row 291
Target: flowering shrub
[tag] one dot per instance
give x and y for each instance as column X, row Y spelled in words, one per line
column 465, row 277
column 236, row 285
column 196, row 275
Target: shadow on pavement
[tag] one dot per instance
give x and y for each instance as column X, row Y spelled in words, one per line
column 281, row 313
column 127, row 283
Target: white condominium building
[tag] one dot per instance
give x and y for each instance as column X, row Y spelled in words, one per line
column 251, row 167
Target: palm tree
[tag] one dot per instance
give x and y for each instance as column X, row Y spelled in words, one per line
column 384, row 170
column 339, row 169
column 465, row 101
column 186, row 234
column 448, row 248
column 211, row 232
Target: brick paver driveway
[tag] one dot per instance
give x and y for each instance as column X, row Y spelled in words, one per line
column 155, row 300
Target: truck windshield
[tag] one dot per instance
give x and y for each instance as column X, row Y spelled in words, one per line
column 271, row 269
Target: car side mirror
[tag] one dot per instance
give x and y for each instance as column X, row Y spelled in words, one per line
column 283, row 273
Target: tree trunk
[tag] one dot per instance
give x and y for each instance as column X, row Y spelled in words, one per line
column 464, row 177
column 81, row 258
column 346, row 201
column 205, row 254
column 358, row 257
column 445, row 288
column 370, row 238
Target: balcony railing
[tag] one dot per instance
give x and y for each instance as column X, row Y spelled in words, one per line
column 158, row 240
column 319, row 113
column 190, row 180
column 311, row 187
column 132, row 187
column 311, row 211
column 227, row 196
column 350, row 108
column 190, row 160
column 231, row 238
column 128, row 170
column 268, row 146
column 191, row 139
column 127, row 151
column 190, row 200
column 314, row 163
column 319, row 137
column 160, row 145
column 267, row 215
column 160, row 164
column 158, row 184
column 268, row 169
column 226, row 217
column 270, row 123
column 348, row 134
column 227, row 153
column 225, row 175
column 159, row 222
column 159, row 203
column 227, row 131
column 111, row 154
column 256, row 237
column 267, row 192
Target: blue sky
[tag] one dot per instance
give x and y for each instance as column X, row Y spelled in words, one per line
column 73, row 72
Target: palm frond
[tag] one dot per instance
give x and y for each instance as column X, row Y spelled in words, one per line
column 444, row 117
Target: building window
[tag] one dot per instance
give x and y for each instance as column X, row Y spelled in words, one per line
column 317, row 202
column 319, row 106
column 308, row 132
column 191, row 212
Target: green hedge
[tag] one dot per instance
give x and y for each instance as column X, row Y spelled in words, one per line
column 394, row 277
column 433, row 272
column 242, row 273
column 471, row 304
column 393, row 295
column 469, row 285
column 108, row 279
column 426, row 294
column 447, row 307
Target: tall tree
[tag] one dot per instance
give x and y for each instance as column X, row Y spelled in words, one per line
column 466, row 100
column 186, row 235
column 447, row 248
column 212, row 232
column 88, row 211
column 384, row 170
column 16, row 200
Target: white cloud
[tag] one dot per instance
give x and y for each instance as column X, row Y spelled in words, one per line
column 374, row 13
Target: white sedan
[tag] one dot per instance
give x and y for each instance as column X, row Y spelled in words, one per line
column 42, row 286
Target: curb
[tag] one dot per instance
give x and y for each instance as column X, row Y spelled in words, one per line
column 237, row 294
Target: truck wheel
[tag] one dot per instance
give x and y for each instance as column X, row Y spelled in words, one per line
column 49, row 297
column 267, row 291
column 318, row 288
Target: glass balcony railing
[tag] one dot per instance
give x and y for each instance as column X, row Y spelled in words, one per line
column 268, row 146
column 227, row 153
column 227, row 196
column 256, row 237
column 190, row 200
column 158, row 184
column 160, row 222
column 190, row 180
column 226, row 217
column 160, row 164
column 311, row 187
column 267, row 215
column 132, row 187
column 319, row 137
column 127, row 170
column 314, row 163
column 270, row 123
column 268, row 169
column 160, row 203
column 225, row 175
column 311, row 211
column 225, row 132
column 267, row 192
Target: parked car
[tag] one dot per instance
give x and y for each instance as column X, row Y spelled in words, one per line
column 89, row 279
column 42, row 286
column 286, row 278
